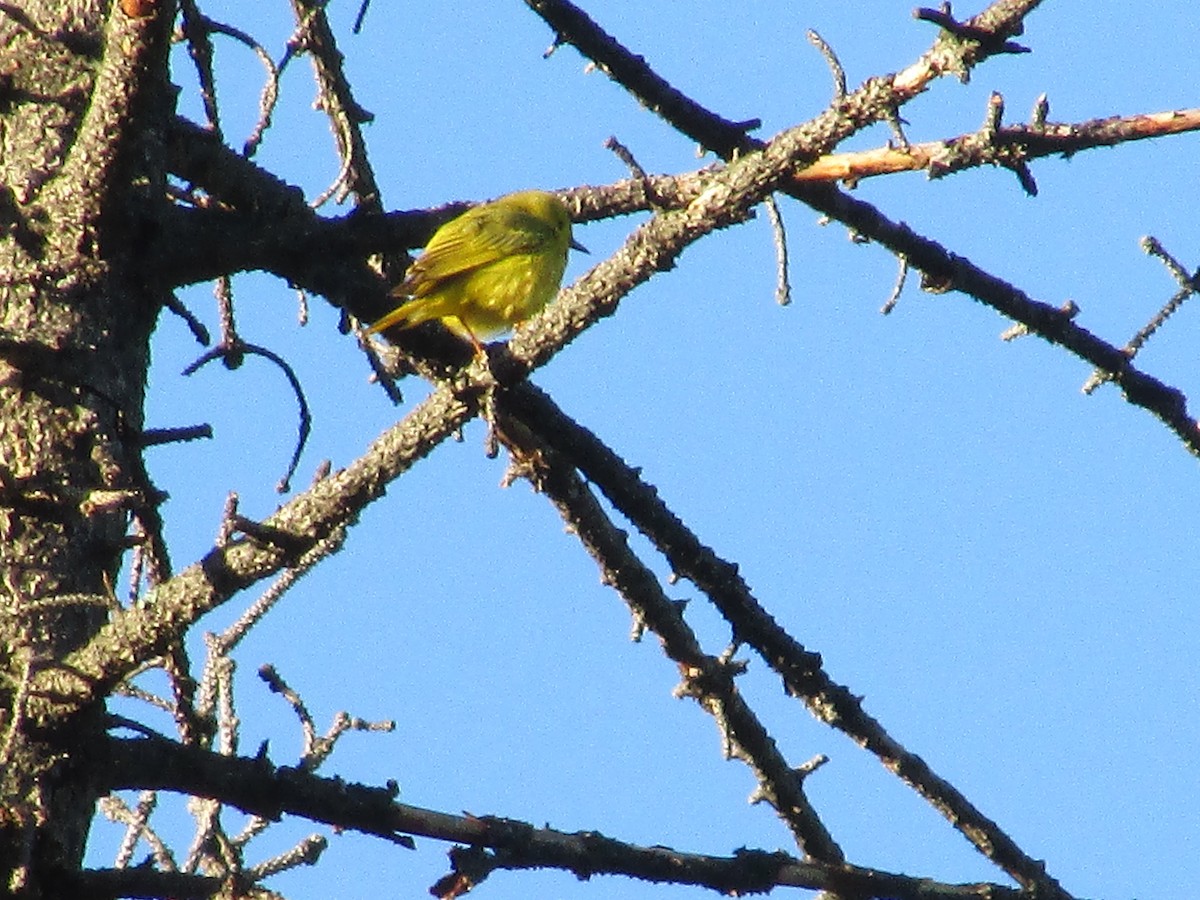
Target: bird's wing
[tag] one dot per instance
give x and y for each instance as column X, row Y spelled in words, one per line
column 476, row 238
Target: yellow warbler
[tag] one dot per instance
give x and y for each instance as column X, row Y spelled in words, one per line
column 494, row 266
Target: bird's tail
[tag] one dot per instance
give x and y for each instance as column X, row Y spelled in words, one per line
column 405, row 315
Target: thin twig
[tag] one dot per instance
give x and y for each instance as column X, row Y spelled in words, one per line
column 831, row 60
column 967, row 31
column 626, row 156
column 197, row 29
column 156, row 437
column 337, row 100
column 233, row 635
column 195, row 326
column 1188, row 286
column 232, row 355
column 783, row 287
column 356, row 28
column 898, row 287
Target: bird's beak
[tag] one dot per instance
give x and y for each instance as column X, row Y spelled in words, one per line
column 575, row 245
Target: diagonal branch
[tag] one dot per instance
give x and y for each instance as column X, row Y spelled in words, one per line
column 949, row 55
column 707, row 679
column 1167, row 403
column 800, row 669
column 164, row 613
column 573, row 26
column 1003, row 18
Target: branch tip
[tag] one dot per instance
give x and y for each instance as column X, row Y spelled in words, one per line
column 831, row 60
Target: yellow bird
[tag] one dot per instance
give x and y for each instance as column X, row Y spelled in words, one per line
column 494, row 266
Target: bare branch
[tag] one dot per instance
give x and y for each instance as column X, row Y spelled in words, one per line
column 898, row 287
column 132, row 46
column 1051, row 323
column 199, row 332
column 231, row 352
column 783, row 287
column 799, row 668
column 154, row 437
column 113, row 884
column 967, row 31
column 196, row 32
column 1188, row 286
column 626, row 156
column 706, row 679
column 1003, row 146
column 255, row 786
column 573, row 26
column 831, row 60
column 145, row 630
column 990, row 29
column 345, row 114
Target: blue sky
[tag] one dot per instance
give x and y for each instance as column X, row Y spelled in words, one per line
column 1001, row 565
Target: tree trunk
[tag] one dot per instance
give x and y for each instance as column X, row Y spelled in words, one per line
column 80, row 186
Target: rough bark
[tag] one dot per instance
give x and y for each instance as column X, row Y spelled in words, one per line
column 77, row 201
